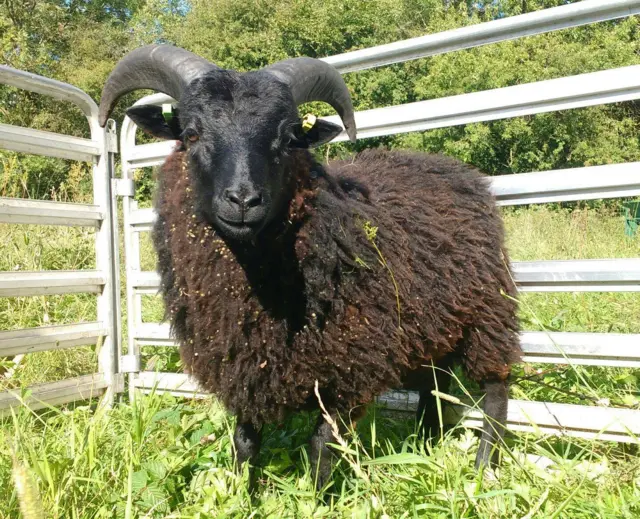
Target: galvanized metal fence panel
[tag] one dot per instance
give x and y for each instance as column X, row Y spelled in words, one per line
column 513, row 27
column 103, row 281
column 18, row 210
column 596, row 88
column 567, row 185
column 610, row 181
column 46, row 338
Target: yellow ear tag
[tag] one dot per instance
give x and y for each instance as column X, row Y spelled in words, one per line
column 308, row 122
column 167, row 112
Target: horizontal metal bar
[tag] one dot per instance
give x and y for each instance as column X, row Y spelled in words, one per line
column 18, row 210
column 124, row 187
column 546, row 20
column 594, row 275
column 38, row 142
column 602, row 423
column 177, row 384
column 618, row 350
column 153, row 334
column 585, row 349
column 31, row 340
column 129, row 363
column 540, row 417
column 563, row 185
column 146, row 282
column 141, row 220
column 146, row 155
column 56, row 393
column 49, row 87
column 608, row 86
column 16, row 284
column 595, row 182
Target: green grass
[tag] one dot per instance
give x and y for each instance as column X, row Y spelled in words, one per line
column 163, row 457
column 32, row 247
column 168, row 458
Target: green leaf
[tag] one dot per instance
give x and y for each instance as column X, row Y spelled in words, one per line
column 139, row 480
column 155, row 468
column 172, row 416
column 196, row 436
column 153, row 494
column 400, row 459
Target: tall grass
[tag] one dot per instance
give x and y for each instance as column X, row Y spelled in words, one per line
column 32, row 248
column 160, row 457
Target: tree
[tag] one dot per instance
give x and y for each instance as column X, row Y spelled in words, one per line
column 79, row 41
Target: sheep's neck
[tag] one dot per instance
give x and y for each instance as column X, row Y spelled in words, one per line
column 270, row 263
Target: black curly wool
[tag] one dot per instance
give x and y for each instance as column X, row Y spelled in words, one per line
column 379, row 265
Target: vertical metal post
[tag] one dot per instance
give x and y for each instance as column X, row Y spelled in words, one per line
column 106, row 258
column 132, row 253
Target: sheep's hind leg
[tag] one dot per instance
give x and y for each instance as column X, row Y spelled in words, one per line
column 321, row 455
column 496, row 401
column 427, row 415
column 247, row 440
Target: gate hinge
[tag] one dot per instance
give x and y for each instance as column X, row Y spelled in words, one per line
column 111, row 137
column 129, row 364
column 124, row 187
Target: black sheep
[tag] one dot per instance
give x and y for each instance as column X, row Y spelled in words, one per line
column 277, row 272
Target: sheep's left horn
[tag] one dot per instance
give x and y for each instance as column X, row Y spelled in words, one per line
column 314, row 80
column 163, row 68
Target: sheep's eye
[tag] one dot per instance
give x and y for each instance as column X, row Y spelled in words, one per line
column 291, row 142
column 191, row 135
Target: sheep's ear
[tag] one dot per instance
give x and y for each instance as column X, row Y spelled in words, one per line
column 321, row 133
column 151, row 120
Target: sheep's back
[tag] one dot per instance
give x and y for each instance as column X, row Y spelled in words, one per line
column 440, row 230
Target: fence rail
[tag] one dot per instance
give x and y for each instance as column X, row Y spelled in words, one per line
column 618, row 350
column 47, row 338
column 18, row 210
column 62, row 392
column 103, row 281
column 605, row 423
column 567, row 185
column 38, row 142
column 20, row 284
column 607, row 86
column 547, row 20
column 617, row 275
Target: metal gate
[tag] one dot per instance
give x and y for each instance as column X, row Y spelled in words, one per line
column 611, row 181
column 103, row 281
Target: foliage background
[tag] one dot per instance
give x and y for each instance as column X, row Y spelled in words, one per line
column 79, row 41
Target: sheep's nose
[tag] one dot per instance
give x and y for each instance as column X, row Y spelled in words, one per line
column 244, row 199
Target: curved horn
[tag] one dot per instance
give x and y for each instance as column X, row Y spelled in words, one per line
column 164, row 68
column 311, row 79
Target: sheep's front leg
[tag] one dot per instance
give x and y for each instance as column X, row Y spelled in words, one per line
column 321, row 454
column 247, row 440
column 496, row 401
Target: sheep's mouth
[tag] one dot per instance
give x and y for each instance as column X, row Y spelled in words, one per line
column 239, row 230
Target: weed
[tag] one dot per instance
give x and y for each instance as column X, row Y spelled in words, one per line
column 371, row 233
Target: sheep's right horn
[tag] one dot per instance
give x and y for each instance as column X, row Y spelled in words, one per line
column 312, row 79
column 163, row 68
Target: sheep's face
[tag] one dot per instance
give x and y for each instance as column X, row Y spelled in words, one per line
column 237, row 131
